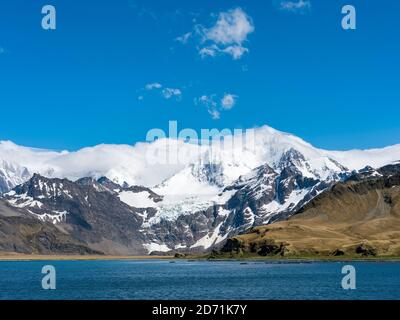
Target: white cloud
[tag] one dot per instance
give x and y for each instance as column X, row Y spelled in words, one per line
column 226, row 36
column 168, row 93
column 292, row 6
column 215, row 108
column 211, row 105
column 165, row 92
column 152, row 86
column 232, row 27
column 208, row 101
column 228, row 101
column 215, row 114
column 210, row 51
column 236, row 51
column 184, row 38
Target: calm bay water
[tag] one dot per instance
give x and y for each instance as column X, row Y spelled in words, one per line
column 151, row 279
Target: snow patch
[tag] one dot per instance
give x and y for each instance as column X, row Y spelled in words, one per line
column 156, row 247
column 137, row 200
column 55, row 217
column 209, row 240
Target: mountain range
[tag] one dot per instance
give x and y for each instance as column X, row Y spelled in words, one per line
column 359, row 217
column 110, row 199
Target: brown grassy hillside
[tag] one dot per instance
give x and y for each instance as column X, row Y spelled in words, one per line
column 356, row 218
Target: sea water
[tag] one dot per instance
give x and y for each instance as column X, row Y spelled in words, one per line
column 203, row 280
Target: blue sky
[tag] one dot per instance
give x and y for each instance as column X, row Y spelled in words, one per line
column 297, row 70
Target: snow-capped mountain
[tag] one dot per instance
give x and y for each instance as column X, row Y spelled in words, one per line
column 104, row 216
column 131, row 165
column 213, row 192
column 11, row 175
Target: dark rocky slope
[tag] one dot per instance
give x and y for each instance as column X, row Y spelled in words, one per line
column 22, row 233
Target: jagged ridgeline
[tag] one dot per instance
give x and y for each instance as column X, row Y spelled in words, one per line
column 108, row 199
column 359, row 217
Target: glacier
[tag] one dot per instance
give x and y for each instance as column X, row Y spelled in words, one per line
column 216, row 191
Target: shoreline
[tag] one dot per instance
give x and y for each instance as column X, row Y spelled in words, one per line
column 36, row 257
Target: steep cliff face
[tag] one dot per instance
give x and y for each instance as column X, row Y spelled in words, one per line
column 358, row 217
column 23, row 233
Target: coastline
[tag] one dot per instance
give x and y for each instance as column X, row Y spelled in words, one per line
column 36, row 257
column 25, row 257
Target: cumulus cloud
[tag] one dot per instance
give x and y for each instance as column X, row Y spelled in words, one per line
column 236, row 51
column 228, row 101
column 232, row 27
column 168, row 93
column 211, row 105
column 165, row 92
column 214, row 106
column 210, row 51
column 152, row 86
column 215, row 114
column 300, row 6
column 208, row 101
column 227, row 35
